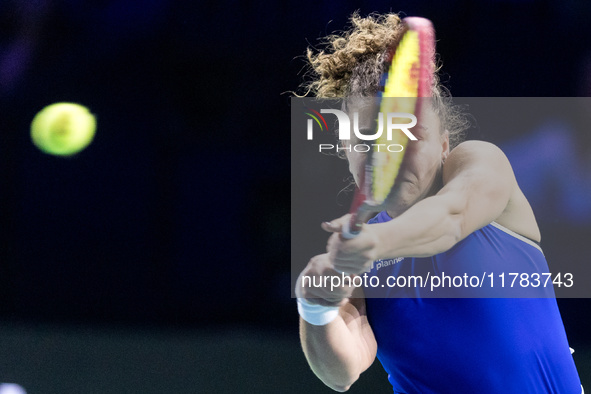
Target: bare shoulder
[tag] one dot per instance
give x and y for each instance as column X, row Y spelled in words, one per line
column 488, row 163
column 479, row 163
column 474, row 152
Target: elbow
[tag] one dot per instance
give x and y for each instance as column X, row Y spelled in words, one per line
column 454, row 223
column 441, row 245
column 450, row 235
column 340, row 388
column 457, row 230
column 342, row 385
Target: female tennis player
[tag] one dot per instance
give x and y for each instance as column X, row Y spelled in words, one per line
column 458, row 208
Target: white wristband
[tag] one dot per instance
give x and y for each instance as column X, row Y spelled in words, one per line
column 315, row 314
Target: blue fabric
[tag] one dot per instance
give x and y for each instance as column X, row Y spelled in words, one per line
column 471, row 345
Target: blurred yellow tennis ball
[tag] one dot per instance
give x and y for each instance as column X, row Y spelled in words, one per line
column 63, row 129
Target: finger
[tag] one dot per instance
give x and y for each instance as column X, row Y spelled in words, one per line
column 336, row 225
column 354, row 250
column 331, row 227
column 340, row 249
column 351, row 269
column 339, row 271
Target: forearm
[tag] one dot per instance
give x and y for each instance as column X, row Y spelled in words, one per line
column 429, row 227
column 329, row 353
column 340, row 351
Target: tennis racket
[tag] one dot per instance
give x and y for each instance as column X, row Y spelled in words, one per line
column 409, row 76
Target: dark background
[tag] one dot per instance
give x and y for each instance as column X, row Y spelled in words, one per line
column 157, row 260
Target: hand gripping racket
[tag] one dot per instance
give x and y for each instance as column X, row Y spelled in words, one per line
column 409, row 76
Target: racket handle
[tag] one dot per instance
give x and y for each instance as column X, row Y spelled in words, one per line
column 353, row 227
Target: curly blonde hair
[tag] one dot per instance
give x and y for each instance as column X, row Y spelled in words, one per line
column 352, row 63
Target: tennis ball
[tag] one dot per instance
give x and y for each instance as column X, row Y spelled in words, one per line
column 63, row 129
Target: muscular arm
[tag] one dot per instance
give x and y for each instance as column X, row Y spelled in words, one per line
column 341, row 350
column 337, row 352
column 479, row 187
column 478, row 183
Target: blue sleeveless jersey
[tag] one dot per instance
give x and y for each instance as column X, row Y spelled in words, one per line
column 471, row 345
